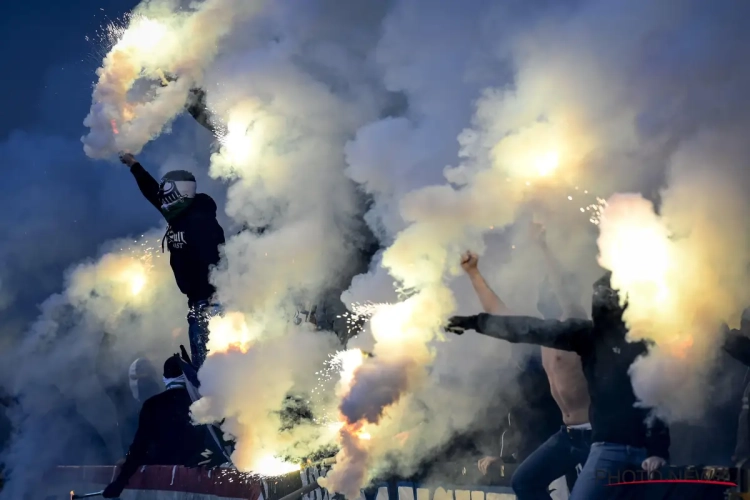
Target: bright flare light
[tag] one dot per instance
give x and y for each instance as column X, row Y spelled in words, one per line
column 635, row 246
column 237, row 145
column 230, row 331
column 273, row 466
column 133, row 277
column 137, row 283
column 349, row 361
column 546, row 164
column 143, row 34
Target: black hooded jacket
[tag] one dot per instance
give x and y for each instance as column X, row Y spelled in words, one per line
column 606, row 356
column 193, row 239
column 737, row 345
column 166, row 435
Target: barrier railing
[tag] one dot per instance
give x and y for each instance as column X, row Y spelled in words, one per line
column 175, row 483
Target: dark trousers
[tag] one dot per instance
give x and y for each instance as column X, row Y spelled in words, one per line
column 198, row 318
column 558, row 456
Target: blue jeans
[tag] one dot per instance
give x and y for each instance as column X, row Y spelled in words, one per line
column 198, row 318
column 608, row 463
column 561, row 453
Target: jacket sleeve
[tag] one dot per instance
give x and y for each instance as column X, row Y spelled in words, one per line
column 658, row 439
column 737, row 345
column 569, row 335
column 147, row 184
column 212, row 237
column 138, row 452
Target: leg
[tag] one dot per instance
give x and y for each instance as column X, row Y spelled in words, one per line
column 607, row 464
column 550, row 461
column 579, row 453
column 198, row 334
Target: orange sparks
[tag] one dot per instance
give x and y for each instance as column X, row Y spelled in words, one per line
column 114, row 126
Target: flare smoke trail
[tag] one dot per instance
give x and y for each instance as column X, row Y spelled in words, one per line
column 158, row 40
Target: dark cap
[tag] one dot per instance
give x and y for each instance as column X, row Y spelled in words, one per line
column 172, row 367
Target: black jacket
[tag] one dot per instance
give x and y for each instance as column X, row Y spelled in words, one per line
column 737, row 345
column 606, row 357
column 166, row 435
column 193, row 239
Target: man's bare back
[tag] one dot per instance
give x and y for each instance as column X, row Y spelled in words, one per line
column 567, row 384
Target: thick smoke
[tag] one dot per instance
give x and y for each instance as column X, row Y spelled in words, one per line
column 128, row 296
column 683, row 273
column 160, row 40
column 459, row 124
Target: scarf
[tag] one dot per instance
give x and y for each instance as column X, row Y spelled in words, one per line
column 175, row 383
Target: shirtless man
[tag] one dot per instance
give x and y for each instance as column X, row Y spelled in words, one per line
column 568, row 448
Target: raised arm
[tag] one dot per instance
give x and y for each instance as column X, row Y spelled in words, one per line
column 491, row 303
column 569, row 335
column 571, row 308
column 147, row 184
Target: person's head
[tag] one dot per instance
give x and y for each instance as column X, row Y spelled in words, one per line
column 173, row 374
column 142, row 378
column 605, row 302
column 176, row 191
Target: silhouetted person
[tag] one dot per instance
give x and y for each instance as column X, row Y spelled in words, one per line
column 622, row 440
column 193, row 237
column 166, row 434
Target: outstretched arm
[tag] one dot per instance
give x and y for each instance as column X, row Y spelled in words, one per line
column 491, row 303
column 571, row 308
column 569, row 335
column 147, row 184
column 138, row 450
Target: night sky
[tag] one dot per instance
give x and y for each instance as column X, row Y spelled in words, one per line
column 63, row 205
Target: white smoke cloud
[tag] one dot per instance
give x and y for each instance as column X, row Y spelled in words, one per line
column 127, row 294
column 159, row 40
column 458, row 122
column 683, row 272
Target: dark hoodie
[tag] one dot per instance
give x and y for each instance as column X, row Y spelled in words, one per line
column 193, row 239
column 606, row 356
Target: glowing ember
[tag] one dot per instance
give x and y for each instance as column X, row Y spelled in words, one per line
column 114, row 126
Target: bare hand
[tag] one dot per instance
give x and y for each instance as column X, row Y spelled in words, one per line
column 469, row 262
column 485, row 463
column 653, row 463
column 128, row 159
